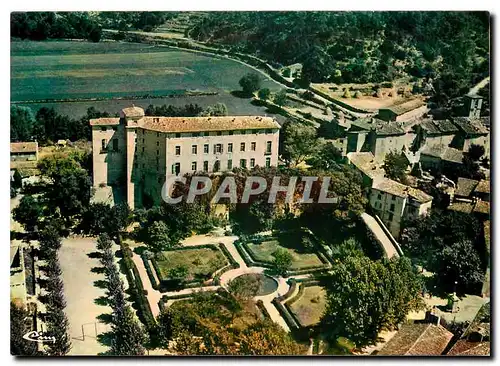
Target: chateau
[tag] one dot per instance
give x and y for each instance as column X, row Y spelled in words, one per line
column 141, row 152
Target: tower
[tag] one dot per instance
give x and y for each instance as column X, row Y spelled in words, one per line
column 472, row 105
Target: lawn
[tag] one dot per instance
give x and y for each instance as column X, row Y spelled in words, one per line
column 264, row 252
column 69, row 70
column 310, row 306
column 201, row 262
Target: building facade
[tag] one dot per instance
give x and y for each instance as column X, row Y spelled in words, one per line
column 141, row 152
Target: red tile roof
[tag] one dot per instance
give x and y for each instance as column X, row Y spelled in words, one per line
column 23, row 147
column 465, row 348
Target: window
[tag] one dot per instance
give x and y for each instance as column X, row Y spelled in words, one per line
column 217, row 148
column 205, row 149
column 160, row 179
column 205, row 166
column 177, row 168
column 217, row 166
column 219, row 133
column 242, row 132
column 393, row 206
column 103, row 144
column 195, row 134
column 391, row 217
column 142, row 149
column 229, row 164
column 142, row 140
column 394, row 198
column 242, row 146
column 115, row 145
column 379, row 197
column 194, row 149
column 157, row 134
column 103, row 129
column 269, row 131
column 243, row 163
column 135, row 149
column 252, row 163
column 177, row 150
column 268, row 147
column 253, row 146
column 230, row 147
column 268, row 162
column 157, row 143
column 177, row 135
column 157, row 152
column 193, row 166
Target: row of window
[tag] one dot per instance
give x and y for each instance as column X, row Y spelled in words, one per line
column 217, row 133
column 176, row 168
column 219, row 148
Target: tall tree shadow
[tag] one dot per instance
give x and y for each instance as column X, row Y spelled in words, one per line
column 94, row 255
column 98, row 270
column 105, row 338
column 105, row 318
column 102, row 301
column 101, row 284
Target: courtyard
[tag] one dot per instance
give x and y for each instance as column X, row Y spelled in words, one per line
column 308, row 306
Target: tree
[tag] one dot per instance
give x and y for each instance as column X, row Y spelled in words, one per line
column 395, row 165
column 49, row 237
column 22, row 121
column 264, row 93
column 280, row 98
column 128, row 336
column 250, row 83
column 299, row 142
column 158, row 237
column 19, row 326
column 28, row 213
column 447, row 243
column 218, row 109
column 282, row 261
column 57, row 326
column 476, row 151
column 179, row 272
column 365, row 296
column 327, row 157
column 17, row 182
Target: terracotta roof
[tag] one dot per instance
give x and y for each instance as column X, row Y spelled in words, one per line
column 453, row 155
column 465, row 186
column 465, row 207
column 418, row 339
column 470, row 126
column 132, row 112
column 483, row 186
column 105, row 121
column 365, row 162
column 403, row 108
column 401, row 190
column 195, row 124
column 438, row 127
column 23, row 147
column 465, row 348
column 482, row 207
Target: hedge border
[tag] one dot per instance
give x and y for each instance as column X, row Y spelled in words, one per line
column 262, row 309
column 285, row 314
column 136, row 286
column 290, row 302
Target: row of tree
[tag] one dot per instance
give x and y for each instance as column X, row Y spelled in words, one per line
column 127, row 336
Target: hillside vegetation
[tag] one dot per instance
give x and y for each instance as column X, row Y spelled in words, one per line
column 452, row 48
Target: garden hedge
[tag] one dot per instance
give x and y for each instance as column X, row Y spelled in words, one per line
column 289, row 319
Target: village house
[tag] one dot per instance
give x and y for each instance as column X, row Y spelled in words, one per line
column 24, row 151
column 141, row 152
column 390, row 200
column 410, row 110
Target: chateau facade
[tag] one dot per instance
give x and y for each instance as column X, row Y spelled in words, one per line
column 141, row 152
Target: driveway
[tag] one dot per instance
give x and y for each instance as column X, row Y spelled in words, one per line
column 80, row 292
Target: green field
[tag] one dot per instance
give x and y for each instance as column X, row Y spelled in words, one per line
column 201, row 262
column 264, row 252
column 72, row 70
column 310, row 306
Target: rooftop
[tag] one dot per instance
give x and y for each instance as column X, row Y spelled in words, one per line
column 405, row 107
column 401, row 190
column 482, row 207
column 483, row 186
column 382, row 128
column 470, row 126
column 418, row 339
column 196, row 124
column 438, row 127
column 465, row 207
column 132, row 112
column 365, row 162
column 23, row 147
column 443, row 152
column 465, row 187
column 465, row 348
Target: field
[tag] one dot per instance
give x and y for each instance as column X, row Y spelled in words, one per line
column 310, row 306
column 264, row 252
column 51, row 70
column 201, row 262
